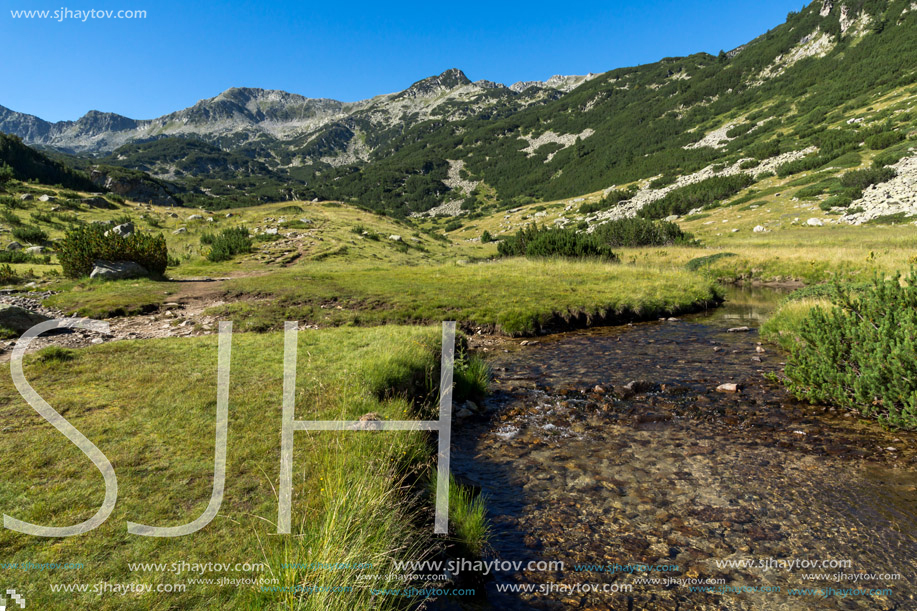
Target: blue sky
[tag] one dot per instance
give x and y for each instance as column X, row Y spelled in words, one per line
column 183, row 51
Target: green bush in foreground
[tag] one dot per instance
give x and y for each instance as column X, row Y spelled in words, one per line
column 861, row 353
column 227, row 244
column 82, row 246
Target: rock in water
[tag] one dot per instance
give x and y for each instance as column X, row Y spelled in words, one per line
column 727, row 388
column 738, row 330
column 19, row 319
column 117, row 270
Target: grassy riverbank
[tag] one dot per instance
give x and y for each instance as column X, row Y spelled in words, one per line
column 516, row 296
column 149, row 406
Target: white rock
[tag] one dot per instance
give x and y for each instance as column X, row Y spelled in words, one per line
column 814, row 222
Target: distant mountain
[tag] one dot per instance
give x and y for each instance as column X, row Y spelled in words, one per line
column 242, row 115
column 448, row 141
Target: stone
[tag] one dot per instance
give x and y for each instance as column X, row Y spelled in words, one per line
column 35, row 250
column 814, row 222
column 464, row 413
column 25, row 197
column 271, row 231
column 19, row 319
column 14, row 246
column 394, row 238
column 738, row 330
column 759, row 229
column 117, row 270
column 179, row 230
column 364, row 423
column 172, row 215
column 123, row 230
column 729, row 387
column 760, row 349
column 46, row 198
column 195, row 217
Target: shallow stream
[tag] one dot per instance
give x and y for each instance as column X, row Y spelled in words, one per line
column 577, row 468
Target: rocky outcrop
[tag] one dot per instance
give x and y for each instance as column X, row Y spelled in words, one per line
column 134, row 188
column 118, row 270
column 898, row 196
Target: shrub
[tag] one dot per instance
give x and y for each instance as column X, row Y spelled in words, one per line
column 884, row 140
column 750, row 163
column 6, row 174
column 861, row 179
column 486, row 237
column 8, row 275
column 29, row 233
column 535, row 241
column 662, row 181
column 228, row 243
column 10, row 218
column 453, row 226
column 700, row 194
column 83, row 245
column 640, row 232
column 861, row 353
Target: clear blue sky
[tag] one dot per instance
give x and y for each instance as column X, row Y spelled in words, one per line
column 183, row 52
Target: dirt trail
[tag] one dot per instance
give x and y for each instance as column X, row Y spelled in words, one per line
column 182, row 316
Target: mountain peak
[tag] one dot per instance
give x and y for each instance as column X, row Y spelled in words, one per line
column 434, row 85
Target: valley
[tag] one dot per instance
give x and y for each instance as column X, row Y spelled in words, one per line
column 686, row 331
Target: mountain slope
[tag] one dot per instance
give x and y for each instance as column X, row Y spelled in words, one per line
column 448, row 143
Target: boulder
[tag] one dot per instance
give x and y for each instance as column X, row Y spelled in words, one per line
column 738, row 330
column 14, row 246
column 25, row 197
column 759, row 229
column 46, row 198
column 731, row 388
column 122, row 230
column 172, row 215
column 19, row 319
column 814, row 222
column 179, row 230
column 394, row 238
column 195, row 217
column 117, row 270
column 35, row 250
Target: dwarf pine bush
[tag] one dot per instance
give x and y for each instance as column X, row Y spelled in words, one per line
column 227, row 244
column 534, row 241
column 83, row 245
column 862, row 352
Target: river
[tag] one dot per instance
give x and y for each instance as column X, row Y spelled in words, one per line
column 735, row 492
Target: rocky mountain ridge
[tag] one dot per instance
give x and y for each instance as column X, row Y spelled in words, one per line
column 245, row 114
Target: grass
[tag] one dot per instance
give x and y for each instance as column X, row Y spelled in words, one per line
column 782, row 328
column 514, row 296
column 106, row 299
column 149, row 406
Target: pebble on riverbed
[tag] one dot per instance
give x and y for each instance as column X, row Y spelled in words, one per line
column 729, row 387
